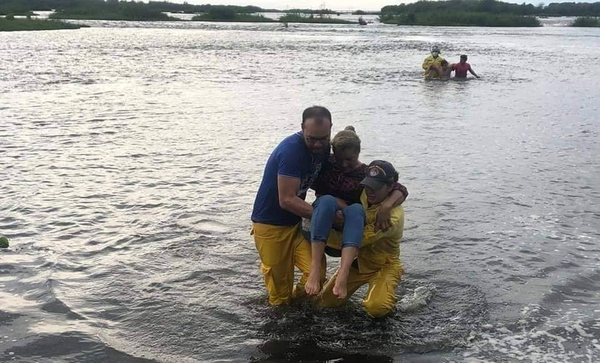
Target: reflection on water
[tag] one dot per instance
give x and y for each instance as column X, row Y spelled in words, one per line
column 131, row 158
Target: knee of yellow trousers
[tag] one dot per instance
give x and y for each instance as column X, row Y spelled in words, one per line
column 378, row 309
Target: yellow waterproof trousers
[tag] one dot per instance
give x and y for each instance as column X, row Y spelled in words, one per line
column 280, row 249
column 381, row 296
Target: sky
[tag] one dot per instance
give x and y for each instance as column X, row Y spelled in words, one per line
column 330, row 4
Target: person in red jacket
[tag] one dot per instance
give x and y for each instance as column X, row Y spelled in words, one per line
column 461, row 69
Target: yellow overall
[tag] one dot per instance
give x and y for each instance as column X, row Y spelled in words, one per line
column 378, row 264
column 280, row 249
column 427, row 66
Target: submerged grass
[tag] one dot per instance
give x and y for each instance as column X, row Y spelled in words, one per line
column 8, row 25
column 229, row 15
column 242, row 18
column 297, row 18
column 455, row 18
column 586, row 22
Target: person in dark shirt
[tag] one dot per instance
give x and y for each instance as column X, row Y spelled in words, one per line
column 279, row 205
column 338, row 189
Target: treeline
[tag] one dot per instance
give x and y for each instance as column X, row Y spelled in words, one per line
column 165, row 6
column 110, row 10
column 466, row 6
column 572, row 9
column 26, row 6
column 494, row 7
column 462, row 18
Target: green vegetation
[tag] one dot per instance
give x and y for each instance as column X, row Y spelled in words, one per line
column 17, row 13
column 311, row 11
column 3, row 242
column 586, row 22
column 461, row 13
column 450, row 12
column 455, row 18
column 572, row 9
column 464, row 6
column 111, row 10
column 362, row 12
column 23, row 6
column 229, row 14
column 8, row 25
column 164, row 6
column 298, row 18
column 496, row 7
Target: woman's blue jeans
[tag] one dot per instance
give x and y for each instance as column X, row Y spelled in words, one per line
column 324, row 209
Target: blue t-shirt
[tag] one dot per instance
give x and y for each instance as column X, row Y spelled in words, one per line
column 293, row 159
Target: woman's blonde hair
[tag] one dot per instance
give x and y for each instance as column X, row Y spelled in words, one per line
column 346, row 139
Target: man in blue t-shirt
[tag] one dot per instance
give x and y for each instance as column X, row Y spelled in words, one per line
column 279, row 206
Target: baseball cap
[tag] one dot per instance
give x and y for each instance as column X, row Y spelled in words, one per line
column 435, row 49
column 379, row 174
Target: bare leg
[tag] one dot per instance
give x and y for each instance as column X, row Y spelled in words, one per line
column 313, row 285
column 340, row 289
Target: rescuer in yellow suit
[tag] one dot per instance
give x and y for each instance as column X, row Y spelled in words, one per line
column 431, row 63
column 378, row 260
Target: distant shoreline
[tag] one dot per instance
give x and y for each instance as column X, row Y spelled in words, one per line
column 10, row 25
column 586, row 22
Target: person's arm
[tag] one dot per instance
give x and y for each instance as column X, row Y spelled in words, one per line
column 427, row 63
column 371, row 236
column 287, row 188
column 472, row 71
column 289, row 177
column 397, row 197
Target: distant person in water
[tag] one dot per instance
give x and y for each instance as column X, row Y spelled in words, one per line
column 431, row 62
column 378, row 263
column 444, row 70
column 461, row 68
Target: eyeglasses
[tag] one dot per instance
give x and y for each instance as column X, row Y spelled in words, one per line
column 314, row 140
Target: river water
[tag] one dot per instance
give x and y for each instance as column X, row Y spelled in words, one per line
column 131, row 154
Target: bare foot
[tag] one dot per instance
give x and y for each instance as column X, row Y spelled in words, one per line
column 340, row 289
column 313, row 285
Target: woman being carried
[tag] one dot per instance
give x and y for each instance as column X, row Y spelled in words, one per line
column 339, row 190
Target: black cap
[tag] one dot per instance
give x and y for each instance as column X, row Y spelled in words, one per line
column 379, row 174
